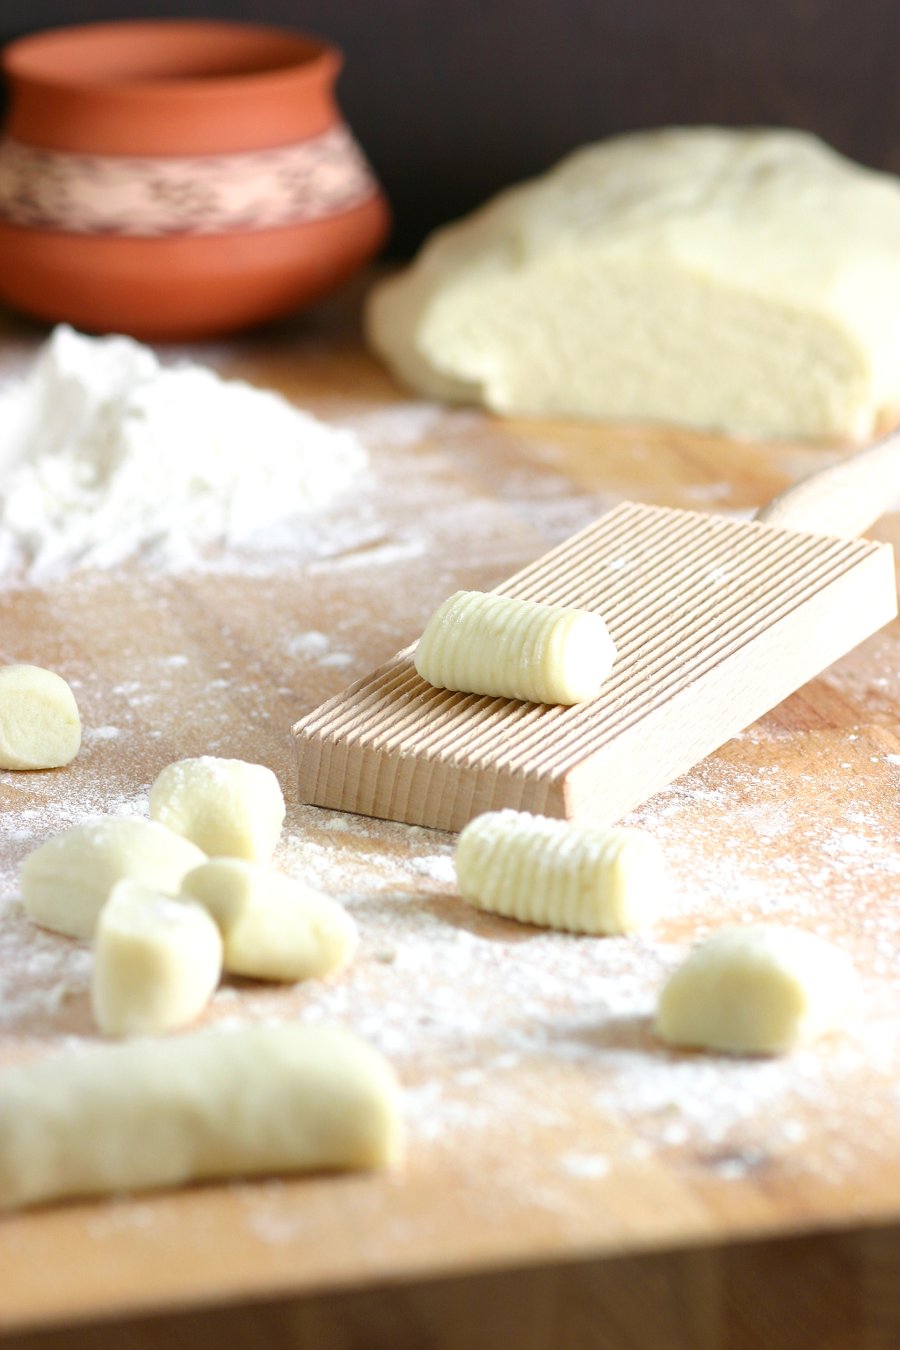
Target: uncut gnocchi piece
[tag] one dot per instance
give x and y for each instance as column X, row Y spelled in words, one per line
column 758, row 990
column 157, row 962
column 481, row 643
column 66, row 882
column 273, row 927
column 40, row 727
column 559, row 875
column 227, row 807
column 208, row 1103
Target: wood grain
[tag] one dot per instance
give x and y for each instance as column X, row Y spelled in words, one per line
column 820, row 1292
column 565, row 1172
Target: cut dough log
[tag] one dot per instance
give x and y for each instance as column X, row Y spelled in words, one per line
column 205, row 1104
column 493, row 644
column 558, row 875
column 226, row 806
column 746, row 280
column 67, row 881
column 760, row 989
column 273, row 927
column 39, row 723
column 157, row 962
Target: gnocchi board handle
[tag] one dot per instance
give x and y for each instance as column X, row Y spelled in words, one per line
column 844, row 499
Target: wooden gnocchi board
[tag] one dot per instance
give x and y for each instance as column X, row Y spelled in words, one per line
column 562, row 1166
column 715, row 622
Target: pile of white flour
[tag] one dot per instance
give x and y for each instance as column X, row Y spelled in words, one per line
column 106, row 455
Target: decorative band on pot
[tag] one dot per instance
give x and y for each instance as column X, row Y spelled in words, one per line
column 150, row 197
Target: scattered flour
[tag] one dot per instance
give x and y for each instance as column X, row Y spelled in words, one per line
column 106, row 733
column 398, row 426
column 585, row 1165
column 107, row 455
column 525, row 1053
column 316, row 646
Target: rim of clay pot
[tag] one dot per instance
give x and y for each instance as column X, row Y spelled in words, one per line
column 168, row 56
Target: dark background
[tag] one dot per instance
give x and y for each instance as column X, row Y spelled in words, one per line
column 452, row 100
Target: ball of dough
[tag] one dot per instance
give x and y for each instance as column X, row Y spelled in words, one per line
column 66, row 882
column 39, row 723
column 227, row 807
column 561, row 875
column 760, row 989
column 481, row 643
column 746, row 280
column 157, row 962
column 274, row 928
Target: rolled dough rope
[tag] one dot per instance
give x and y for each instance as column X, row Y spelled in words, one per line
column 40, row 727
column 559, row 875
column 493, row 644
column 226, row 806
column 210, row 1103
column 273, row 927
column 157, row 962
column 759, row 989
column 66, row 882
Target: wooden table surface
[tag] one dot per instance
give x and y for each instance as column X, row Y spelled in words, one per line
column 568, row 1180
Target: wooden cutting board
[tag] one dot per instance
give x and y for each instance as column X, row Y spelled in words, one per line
column 547, row 1127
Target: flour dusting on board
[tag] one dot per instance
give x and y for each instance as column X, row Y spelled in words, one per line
column 106, row 455
column 531, row 1074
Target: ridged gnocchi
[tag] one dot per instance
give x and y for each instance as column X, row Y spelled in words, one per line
column 481, row 643
column 560, row 875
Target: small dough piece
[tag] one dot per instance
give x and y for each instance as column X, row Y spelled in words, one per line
column 758, row 990
column 67, row 881
column 481, row 643
column 228, row 807
column 742, row 279
column 274, row 928
column 559, row 875
column 208, row 1103
column 39, row 723
column 157, row 962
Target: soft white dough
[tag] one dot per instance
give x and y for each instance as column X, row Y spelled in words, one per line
column 482, row 643
column 273, row 927
column 40, row 727
column 227, row 807
column 758, row 989
column 157, row 962
column 67, row 880
column 746, row 280
column 561, row 875
column 210, row 1103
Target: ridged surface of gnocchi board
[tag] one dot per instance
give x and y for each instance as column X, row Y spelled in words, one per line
column 715, row 621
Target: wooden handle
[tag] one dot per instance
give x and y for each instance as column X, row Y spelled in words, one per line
column 843, row 499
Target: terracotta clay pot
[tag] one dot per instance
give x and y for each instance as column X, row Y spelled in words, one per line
column 176, row 179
